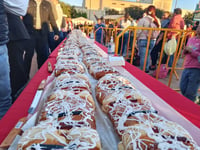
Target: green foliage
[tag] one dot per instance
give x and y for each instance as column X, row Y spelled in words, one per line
column 112, row 12
column 188, row 18
column 66, row 8
column 75, row 14
column 71, row 12
column 135, row 12
column 159, row 13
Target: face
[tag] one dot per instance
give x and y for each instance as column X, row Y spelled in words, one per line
column 99, row 21
column 165, row 15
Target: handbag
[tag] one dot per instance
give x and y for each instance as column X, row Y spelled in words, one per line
column 170, row 46
column 136, row 59
column 162, row 73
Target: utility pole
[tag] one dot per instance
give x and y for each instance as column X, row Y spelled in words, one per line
column 175, row 4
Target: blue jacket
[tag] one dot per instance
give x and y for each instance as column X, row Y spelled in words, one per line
column 3, row 25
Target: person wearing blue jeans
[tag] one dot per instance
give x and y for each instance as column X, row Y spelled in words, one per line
column 190, row 81
column 142, row 46
column 5, row 88
column 150, row 21
column 98, row 28
column 125, row 43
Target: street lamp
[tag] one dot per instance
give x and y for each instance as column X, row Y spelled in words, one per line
column 175, row 4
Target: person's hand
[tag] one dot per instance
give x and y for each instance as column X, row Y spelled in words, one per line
column 56, row 37
column 187, row 50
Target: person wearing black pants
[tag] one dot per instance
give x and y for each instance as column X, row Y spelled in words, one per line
column 17, row 35
column 37, row 21
column 157, row 48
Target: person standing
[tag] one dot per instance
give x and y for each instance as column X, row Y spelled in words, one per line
column 18, row 75
column 61, row 24
column 17, row 8
column 158, row 45
column 151, row 21
column 37, row 20
column 125, row 23
column 5, row 89
column 190, row 79
column 178, row 23
column 99, row 30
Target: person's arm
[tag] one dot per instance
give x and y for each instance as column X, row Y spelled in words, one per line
column 53, row 23
column 17, row 7
column 63, row 24
column 182, row 24
column 190, row 49
column 95, row 16
column 140, row 24
column 53, row 6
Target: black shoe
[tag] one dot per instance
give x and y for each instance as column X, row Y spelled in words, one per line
column 147, row 71
column 152, row 67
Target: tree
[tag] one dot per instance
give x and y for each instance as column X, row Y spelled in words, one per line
column 188, row 18
column 135, row 12
column 66, row 9
column 159, row 13
column 75, row 13
column 112, row 12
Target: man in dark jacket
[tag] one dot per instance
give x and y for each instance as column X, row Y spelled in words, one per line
column 37, row 20
column 18, row 75
column 5, row 90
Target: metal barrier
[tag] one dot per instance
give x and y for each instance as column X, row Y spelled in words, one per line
column 181, row 36
column 118, row 36
column 105, row 36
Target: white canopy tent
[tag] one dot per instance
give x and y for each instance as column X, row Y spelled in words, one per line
column 81, row 20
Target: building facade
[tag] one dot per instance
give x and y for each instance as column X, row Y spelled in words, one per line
column 121, row 4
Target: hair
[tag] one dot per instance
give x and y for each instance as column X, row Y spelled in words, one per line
column 167, row 12
column 151, row 11
column 178, row 11
column 126, row 15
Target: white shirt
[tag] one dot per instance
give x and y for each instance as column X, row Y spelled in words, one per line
column 125, row 24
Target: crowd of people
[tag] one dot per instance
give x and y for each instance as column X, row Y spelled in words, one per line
column 189, row 83
column 40, row 27
column 26, row 27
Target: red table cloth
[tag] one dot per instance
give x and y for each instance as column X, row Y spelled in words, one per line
column 20, row 108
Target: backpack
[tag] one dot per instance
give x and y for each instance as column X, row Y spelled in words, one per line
column 163, row 71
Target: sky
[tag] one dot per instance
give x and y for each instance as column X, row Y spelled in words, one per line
column 184, row 4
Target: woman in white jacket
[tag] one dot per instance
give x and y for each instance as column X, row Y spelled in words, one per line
column 151, row 21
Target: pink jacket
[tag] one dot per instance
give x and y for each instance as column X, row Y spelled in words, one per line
column 176, row 22
column 191, row 60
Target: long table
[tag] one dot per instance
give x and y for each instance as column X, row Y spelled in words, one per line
column 20, row 108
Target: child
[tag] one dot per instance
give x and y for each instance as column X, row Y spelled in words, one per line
column 190, row 79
